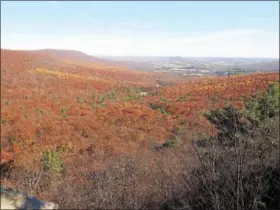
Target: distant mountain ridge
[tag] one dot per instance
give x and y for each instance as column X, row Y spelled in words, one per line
column 73, row 54
column 54, row 58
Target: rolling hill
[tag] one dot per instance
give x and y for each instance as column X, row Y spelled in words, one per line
column 85, row 113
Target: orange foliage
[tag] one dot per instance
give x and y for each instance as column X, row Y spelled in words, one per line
column 40, row 111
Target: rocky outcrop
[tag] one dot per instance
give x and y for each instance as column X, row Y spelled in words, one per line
column 13, row 199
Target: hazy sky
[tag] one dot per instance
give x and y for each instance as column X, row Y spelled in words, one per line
column 161, row 28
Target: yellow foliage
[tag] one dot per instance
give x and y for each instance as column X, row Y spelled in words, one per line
column 65, row 75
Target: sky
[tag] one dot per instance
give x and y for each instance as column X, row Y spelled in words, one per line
column 144, row 28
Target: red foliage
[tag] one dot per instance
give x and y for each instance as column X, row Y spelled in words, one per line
column 40, row 111
column 5, row 157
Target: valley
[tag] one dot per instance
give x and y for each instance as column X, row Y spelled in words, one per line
column 93, row 114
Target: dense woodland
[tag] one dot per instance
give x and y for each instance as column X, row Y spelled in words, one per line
column 91, row 134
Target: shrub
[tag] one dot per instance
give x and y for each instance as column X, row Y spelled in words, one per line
column 229, row 122
column 182, row 98
column 245, row 175
column 63, row 111
column 52, row 162
column 161, row 108
column 7, row 102
column 169, row 143
column 263, row 106
column 163, row 99
column 78, row 99
column 4, row 121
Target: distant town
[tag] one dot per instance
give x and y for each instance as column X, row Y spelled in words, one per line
column 200, row 66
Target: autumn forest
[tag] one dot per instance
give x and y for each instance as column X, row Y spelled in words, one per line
column 89, row 133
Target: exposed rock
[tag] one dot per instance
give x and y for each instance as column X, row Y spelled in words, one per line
column 13, row 199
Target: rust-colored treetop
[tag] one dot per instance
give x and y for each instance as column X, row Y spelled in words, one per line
column 96, row 107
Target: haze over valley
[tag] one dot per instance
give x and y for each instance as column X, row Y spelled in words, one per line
column 199, row 66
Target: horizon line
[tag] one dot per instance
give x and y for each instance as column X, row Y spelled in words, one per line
column 163, row 56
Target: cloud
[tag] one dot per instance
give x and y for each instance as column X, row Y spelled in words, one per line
column 222, row 34
column 233, row 43
column 132, row 24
